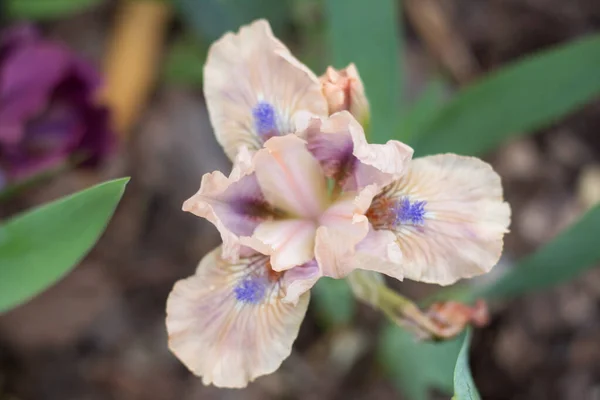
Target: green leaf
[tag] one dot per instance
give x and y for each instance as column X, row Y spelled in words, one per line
column 46, row 9
column 427, row 105
column 40, row 246
column 184, row 61
column 367, row 34
column 464, row 387
column 333, row 301
column 568, row 255
column 415, row 366
column 518, row 99
column 209, row 19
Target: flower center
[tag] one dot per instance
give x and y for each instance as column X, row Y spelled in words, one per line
column 251, row 290
column 265, row 120
column 392, row 212
column 410, row 213
column 260, row 277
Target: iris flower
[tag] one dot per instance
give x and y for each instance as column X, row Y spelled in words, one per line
column 48, row 108
column 309, row 197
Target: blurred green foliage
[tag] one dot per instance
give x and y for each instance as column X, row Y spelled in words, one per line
column 184, row 61
column 516, row 100
column 367, row 34
column 39, row 247
column 335, row 303
column 415, row 366
column 39, row 10
column 209, row 19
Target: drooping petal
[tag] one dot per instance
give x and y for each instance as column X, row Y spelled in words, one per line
column 235, row 205
column 254, row 87
column 291, row 179
column 448, row 216
column 339, row 144
column 344, row 90
column 228, row 324
column 291, row 241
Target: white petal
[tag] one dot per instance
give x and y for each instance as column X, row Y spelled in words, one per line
column 453, row 219
column 252, row 83
column 228, row 324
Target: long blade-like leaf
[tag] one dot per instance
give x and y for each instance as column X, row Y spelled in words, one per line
column 464, row 387
column 40, row 246
column 518, row 99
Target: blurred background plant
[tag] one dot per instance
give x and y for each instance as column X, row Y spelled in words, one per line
column 515, row 82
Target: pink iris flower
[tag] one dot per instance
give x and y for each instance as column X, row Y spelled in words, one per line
column 309, row 197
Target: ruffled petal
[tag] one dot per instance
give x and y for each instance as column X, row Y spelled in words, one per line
column 344, row 90
column 340, row 145
column 235, row 205
column 254, row 87
column 228, row 324
column 291, row 241
column 290, row 177
column 448, row 216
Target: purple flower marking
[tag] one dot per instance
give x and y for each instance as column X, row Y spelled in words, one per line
column 265, row 120
column 408, row 213
column 251, row 290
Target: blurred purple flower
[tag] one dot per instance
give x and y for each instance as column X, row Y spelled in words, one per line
column 48, row 110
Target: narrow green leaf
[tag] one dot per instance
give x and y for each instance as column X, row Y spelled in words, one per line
column 46, row 9
column 415, row 367
column 572, row 252
column 464, row 387
column 516, row 100
column 333, row 301
column 40, row 246
column 427, row 105
column 367, row 34
column 209, row 19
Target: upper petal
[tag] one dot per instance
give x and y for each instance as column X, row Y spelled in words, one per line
column 448, row 216
column 228, row 324
column 290, row 177
column 254, row 88
column 234, row 204
column 339, row 144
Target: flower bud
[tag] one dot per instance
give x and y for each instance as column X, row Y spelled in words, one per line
column 344, row 90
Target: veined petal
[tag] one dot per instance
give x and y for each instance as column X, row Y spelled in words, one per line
column 339, row 144
column 448, row 216
column 291, row 179
column 228, row 324
column 254, row 87
column 235, row 205
column 291, row 241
